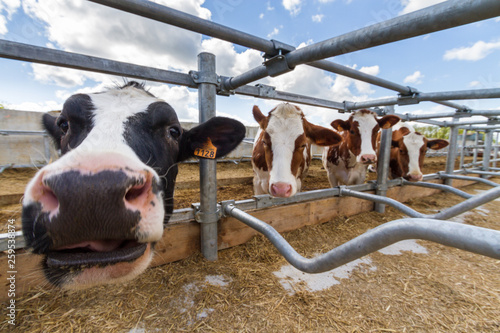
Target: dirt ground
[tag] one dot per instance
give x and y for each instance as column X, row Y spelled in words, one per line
column 426, row 288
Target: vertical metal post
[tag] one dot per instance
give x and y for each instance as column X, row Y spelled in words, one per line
column 495, row 151
column 383, row 162
column 487, row 151
column 208, row 173
column 476, row 143
column 452, row 153
column 462, row 148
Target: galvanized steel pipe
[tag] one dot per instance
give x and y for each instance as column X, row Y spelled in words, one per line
column 470, row 238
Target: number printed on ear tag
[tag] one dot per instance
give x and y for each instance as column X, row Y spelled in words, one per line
column 207, row 151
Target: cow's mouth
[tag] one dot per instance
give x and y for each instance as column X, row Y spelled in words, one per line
column 96, row 253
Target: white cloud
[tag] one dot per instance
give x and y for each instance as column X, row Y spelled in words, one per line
column 475, row 52
column 229, row 62
column 293, row 6
column 363, row 87
column 317, row 18
column 475, row 84
column 183, row 100
column 35, row 106
column 273, row 33
column 414, row 5
column 9, row 7
column 414, row 78
column 261, row 16
column 126, row 37
column 269, row 7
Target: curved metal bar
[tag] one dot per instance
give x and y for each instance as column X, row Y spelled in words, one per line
column 458, row 209
column 465, row 237
column 475, row 201
column 383, row 200
column 480, row 172
column 441, row 187
column 474, row 179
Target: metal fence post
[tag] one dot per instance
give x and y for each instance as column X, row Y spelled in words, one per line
column 488, row 141
column 208, row 174
column 462, row 148
column 383, row 162
column 452, row 153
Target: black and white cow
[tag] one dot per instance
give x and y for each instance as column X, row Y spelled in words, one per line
column 96, row 213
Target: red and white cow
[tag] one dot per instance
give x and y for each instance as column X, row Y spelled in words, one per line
column 346, row 163
column 282, row 149
column 96, row 213
column 408, row 152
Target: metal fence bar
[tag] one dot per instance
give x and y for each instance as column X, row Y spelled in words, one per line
column 42, row 55
column 452, row 153
column 460, row 114
column 441, row 187
column 488, row 173
column 474, row 179
column 458, row 209
column 208, row 174
column 434, row 96
column 487, row 152
column 470, row 238
column 462, row 149
column 431, row 19
column 269, row 47
column 383, row 163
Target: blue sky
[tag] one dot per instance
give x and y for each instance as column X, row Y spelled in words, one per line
column 466, row 57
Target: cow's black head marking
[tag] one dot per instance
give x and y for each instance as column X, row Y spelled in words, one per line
column 96, row 213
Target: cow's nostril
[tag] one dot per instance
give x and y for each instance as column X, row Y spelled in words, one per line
column 48, row 199
column 137, row 195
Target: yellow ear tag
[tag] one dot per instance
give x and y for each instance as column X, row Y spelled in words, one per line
column 207, row 151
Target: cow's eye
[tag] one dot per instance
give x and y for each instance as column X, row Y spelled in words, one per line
column 63, row 125
column 175, row 132
column 352, row 132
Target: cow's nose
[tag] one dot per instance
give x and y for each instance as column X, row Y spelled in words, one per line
column 280, row 189
column 101, row 205
column 415, row 177
column 368, row 158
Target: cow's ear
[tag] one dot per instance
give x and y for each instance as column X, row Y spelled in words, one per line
column 388, row 121
column 259, row 117
column 340, row 125
column 398, row 134
column 219, row 135
column 437, row 144
column 321, row 136
column 49, row 122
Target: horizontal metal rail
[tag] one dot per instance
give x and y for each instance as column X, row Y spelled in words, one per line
column 441, row 187
column 474, row 179
column 480, row 172
column 459, row 114
column 442, row 16
column 434, row 96
column 466, row 237
column 15, row 132
column 458, row 209
column 42, row 55
column 269, row 47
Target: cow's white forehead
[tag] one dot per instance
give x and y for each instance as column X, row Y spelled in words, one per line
column 366, row 121
column 413, row 141
column 111, row 111
column 285, row 122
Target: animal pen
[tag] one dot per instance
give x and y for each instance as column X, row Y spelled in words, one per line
column 216, row 218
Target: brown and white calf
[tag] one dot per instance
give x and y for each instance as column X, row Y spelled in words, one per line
column 346, row 164
column 408, row 152
column 96, row 213
column 282, row 149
